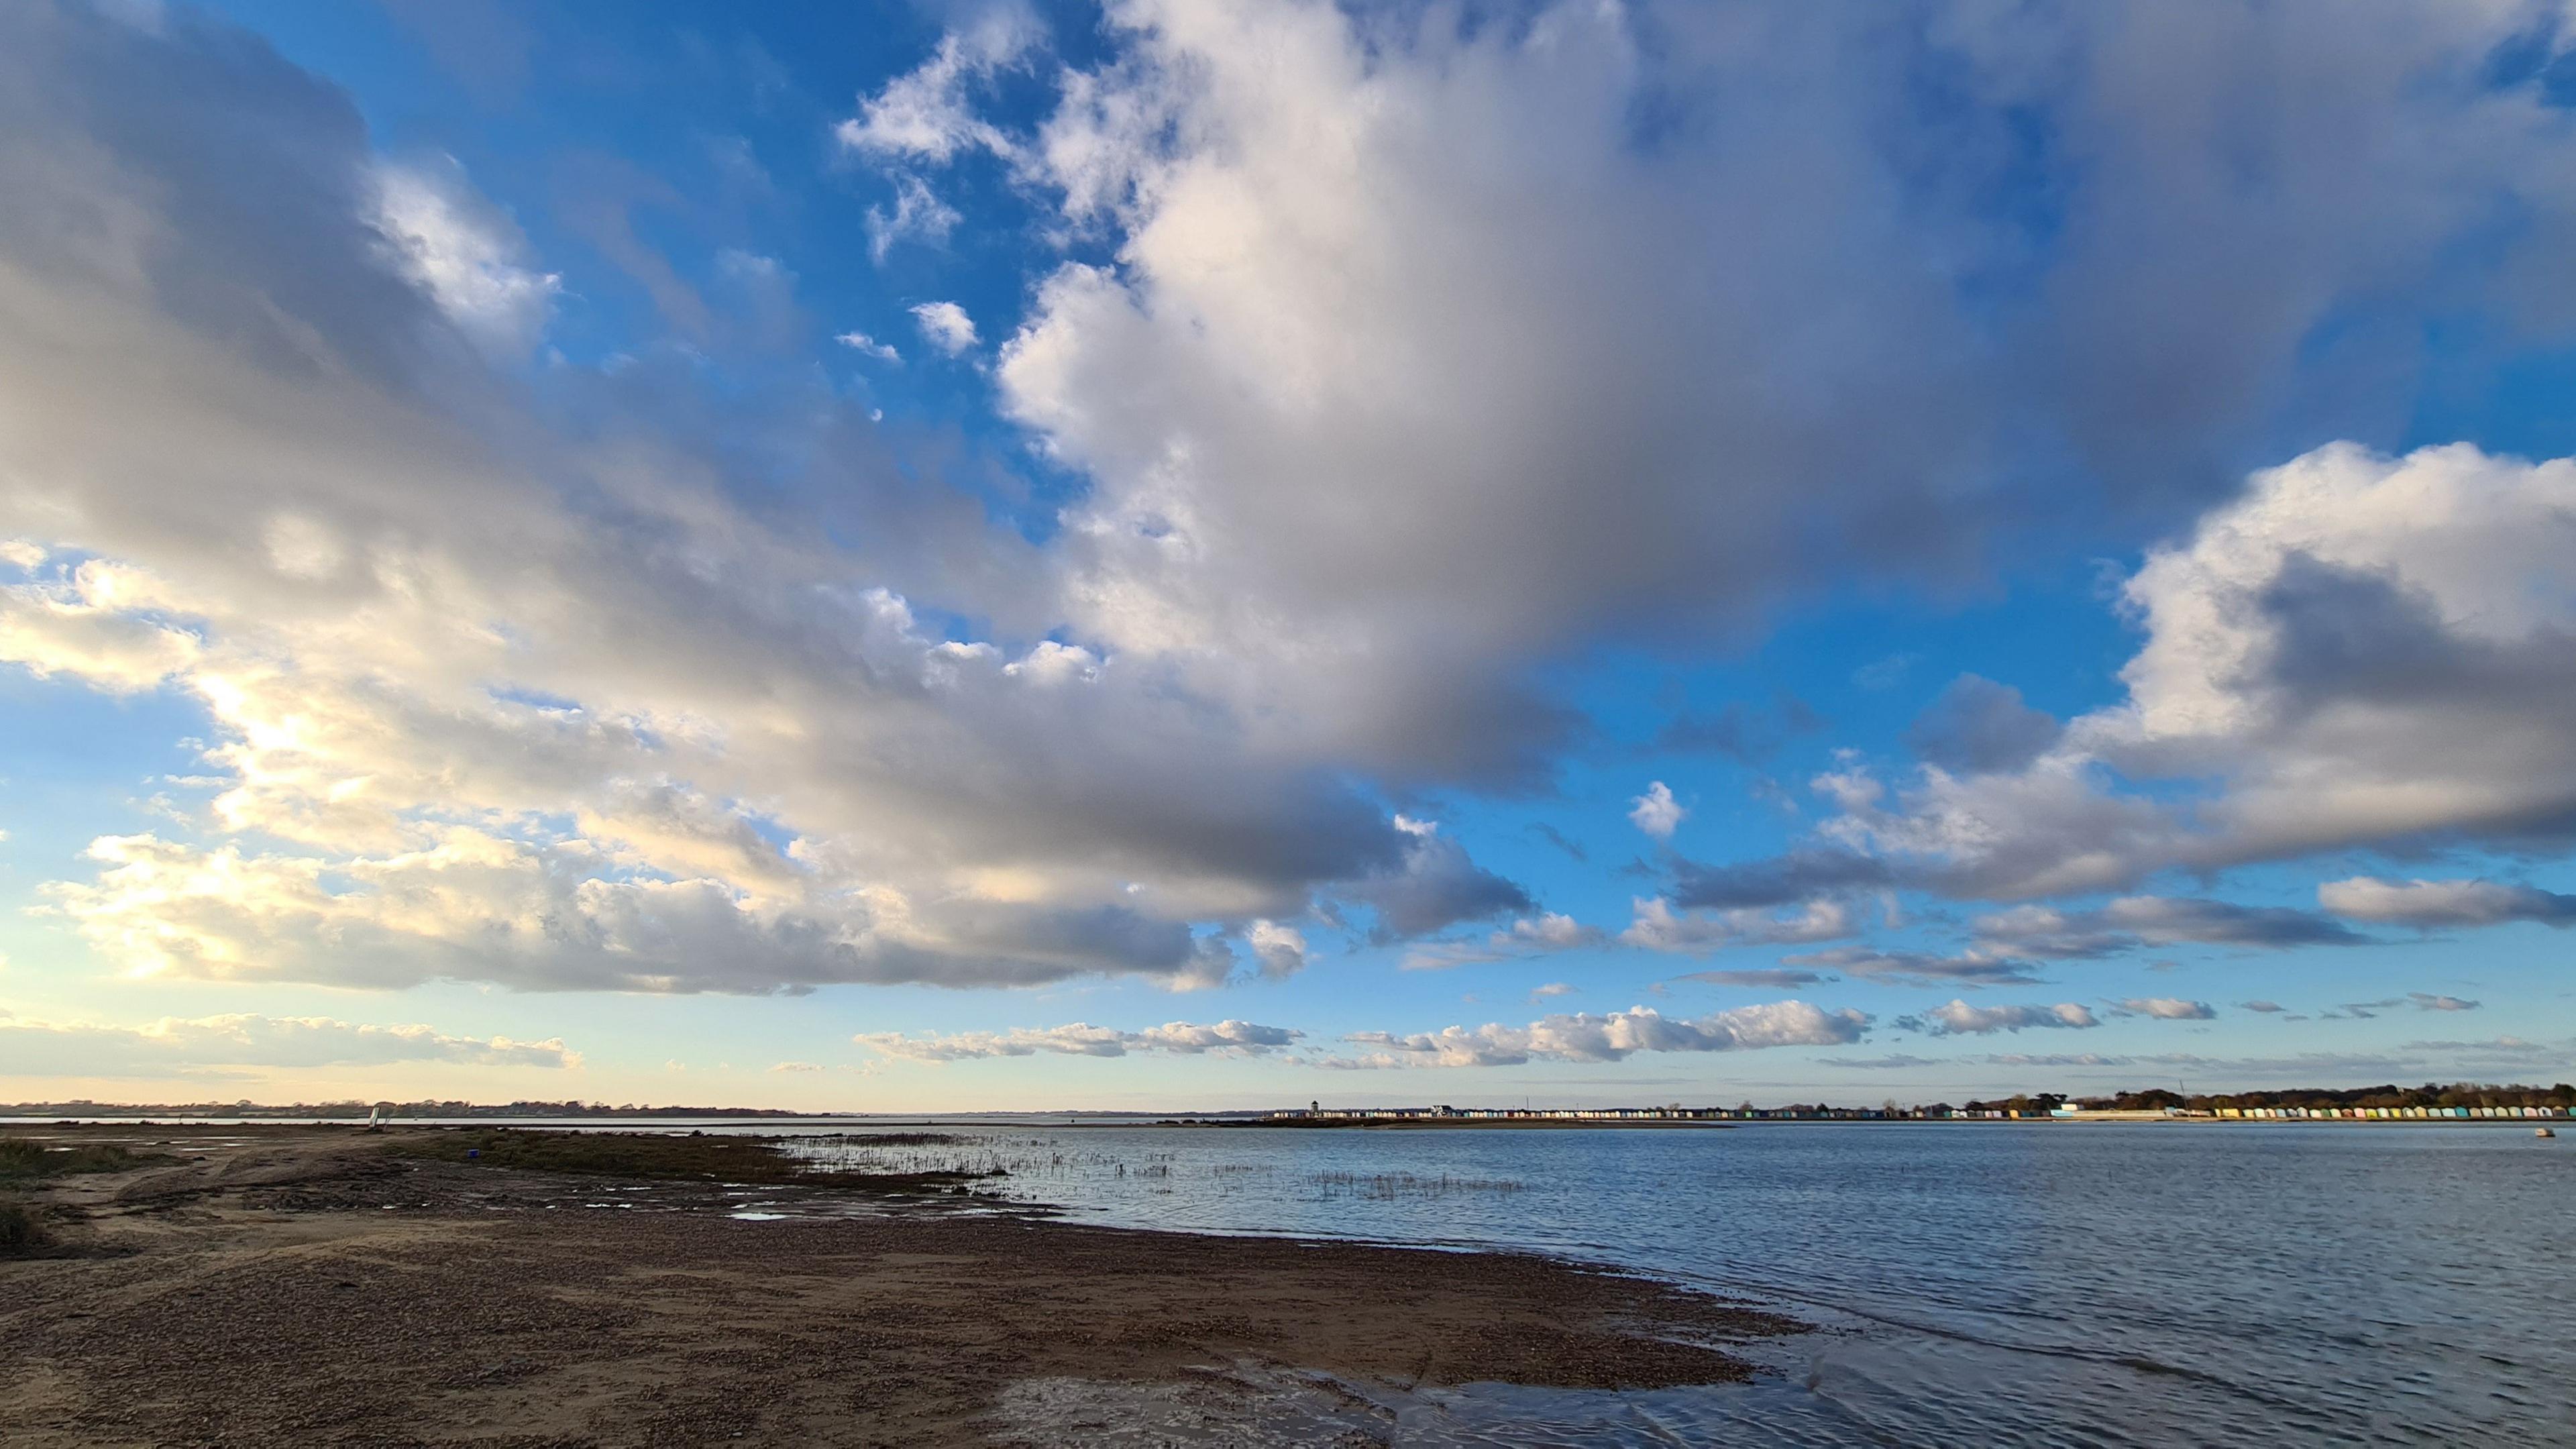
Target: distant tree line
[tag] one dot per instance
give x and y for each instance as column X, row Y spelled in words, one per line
column 336, row 1110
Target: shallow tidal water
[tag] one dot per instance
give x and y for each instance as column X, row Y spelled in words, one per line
column 1986, row 1284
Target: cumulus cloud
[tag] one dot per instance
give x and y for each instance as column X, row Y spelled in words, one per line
column 1656, row 812
column 1552, row 988
column 1610, row 1037
column 2168, row 1008
column 2429, row 904
column 1658, row 927
column 1529, row 936
column 1978, row 726
column 176, row 1046
column 247, row 465
column 1958, row 1018
column 1178, row 1038
column 946, row 326
column 1435, row 886
column 1279, row 950
column 1403, row 370
column 1426, row 276
column 2359, row 651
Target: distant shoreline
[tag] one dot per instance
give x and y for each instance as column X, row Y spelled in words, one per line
column 812, row 1121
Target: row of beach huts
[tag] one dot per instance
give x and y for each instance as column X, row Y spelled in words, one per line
column 1916, row 1114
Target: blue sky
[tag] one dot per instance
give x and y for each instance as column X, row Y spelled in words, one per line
column 991, row 555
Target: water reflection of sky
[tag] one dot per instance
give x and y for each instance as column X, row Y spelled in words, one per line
column 1993, row 1285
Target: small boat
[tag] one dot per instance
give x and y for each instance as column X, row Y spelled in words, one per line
column 2542, row 1132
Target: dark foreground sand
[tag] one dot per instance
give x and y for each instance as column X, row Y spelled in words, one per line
column 294, row 1286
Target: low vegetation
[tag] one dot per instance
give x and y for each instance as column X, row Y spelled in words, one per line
column 654, row 1156
column 23, row 1159
column 21, row 1229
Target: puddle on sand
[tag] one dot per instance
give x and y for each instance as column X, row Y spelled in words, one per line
column 1262, row 1407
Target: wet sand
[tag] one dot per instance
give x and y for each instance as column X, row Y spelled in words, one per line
column 289, row 1285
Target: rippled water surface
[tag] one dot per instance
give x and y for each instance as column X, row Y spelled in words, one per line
column 1978, row 1284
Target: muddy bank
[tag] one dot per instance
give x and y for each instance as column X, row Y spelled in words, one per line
column 305, row 1286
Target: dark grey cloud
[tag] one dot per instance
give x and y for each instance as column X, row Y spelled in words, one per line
column 1920, row 968
column 1977, row 726
column 1436, row 887
column 2132, row 922
column 1772, row 980
column 1800, row 876
column 1738, row 731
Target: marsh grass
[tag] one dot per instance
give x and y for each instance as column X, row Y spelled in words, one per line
column 21, row 1230
column 1389, row 1186
column 656, row 1156
column 23, row 1159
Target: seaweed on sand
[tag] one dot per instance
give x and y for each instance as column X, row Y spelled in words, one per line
column 655, row 1156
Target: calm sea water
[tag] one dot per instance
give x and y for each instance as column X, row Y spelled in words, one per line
column 1976, row 1284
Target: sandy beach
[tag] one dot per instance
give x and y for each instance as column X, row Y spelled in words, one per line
column 290, row 1285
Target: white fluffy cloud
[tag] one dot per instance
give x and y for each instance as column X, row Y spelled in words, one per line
column 1279, row 950
column 946, row 326
column 1420, row 362
column 466, row 253
column 1608, row 1037
column 1958, row 1018
column 867, row 346
column 174, row 1046
column 1656, row 812
column 1658, row 927
column 1179, row 1038
column 2169, row 1008
column 488, row 701
column 1529, row 936
column 1430, row 355
column 2429, row 904
column 928, row 113
column 2360, row 651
